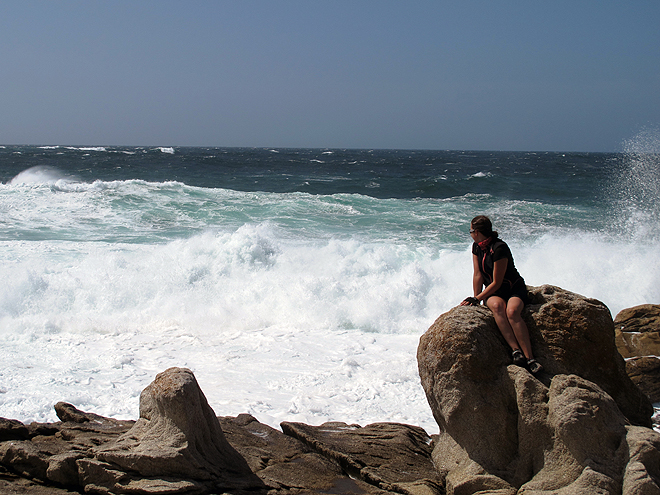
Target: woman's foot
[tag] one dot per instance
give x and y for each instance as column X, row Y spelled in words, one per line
column 534, row 366
column 518, row 358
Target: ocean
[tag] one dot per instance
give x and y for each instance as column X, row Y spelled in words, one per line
column 294, row 283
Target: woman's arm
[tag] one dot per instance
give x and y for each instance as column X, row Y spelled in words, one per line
column 477, row 283
column 499, row 269
column 477, row 277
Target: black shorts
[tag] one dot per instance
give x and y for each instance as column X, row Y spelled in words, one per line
column 518, row 289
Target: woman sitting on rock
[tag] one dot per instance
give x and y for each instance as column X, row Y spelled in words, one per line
column 505, row 292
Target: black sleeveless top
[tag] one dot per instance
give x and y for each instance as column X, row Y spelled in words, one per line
column 496, row 251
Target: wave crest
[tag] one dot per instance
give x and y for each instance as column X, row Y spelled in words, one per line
column 41, row 174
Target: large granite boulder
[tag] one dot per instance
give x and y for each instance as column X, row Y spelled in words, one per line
column 638, row 331
column 566, row 431
column 177, row 436
column 638, row 340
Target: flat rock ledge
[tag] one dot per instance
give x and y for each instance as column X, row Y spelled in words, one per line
column 179, row 446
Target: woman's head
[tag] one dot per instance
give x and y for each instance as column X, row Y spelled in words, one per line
column 483, row 224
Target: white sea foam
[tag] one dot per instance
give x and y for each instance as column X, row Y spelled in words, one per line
column 286, row 306
column 281, row 328
column 277, row 329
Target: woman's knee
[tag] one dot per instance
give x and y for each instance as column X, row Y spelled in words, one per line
column 497, row 305
column 514, row 309
column 513, row 314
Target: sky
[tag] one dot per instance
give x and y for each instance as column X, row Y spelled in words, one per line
column 579, row 75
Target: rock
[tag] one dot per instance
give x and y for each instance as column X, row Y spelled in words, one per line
column 42, row 429
column 502, row 429
column 392, row 456
column 586, row 449
column 573, row 334
column 13, row 484
column 644, row 371
column 25, row 458
column 102, row 478
column 178, row 446
column 642, row 473
column 285, row 463
column 50, row 452
column 63, row 468
column 11, row 429
column 638, row 339
column 178, row 436
column 638, row 331
column 69, row 414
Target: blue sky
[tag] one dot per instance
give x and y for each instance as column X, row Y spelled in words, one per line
column 480, row 75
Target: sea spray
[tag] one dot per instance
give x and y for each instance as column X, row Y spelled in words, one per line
column 637, row 189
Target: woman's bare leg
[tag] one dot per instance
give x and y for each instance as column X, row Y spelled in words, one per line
column 513, row 314
column 499, row 308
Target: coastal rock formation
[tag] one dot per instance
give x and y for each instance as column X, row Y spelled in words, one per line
column 638, row 339
column 178, row 446
column 570, row 430
column 177, row 434
column 644, row 371
column 41, row 458
column 391, row 456
column 638, row 331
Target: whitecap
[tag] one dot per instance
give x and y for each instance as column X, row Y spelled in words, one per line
column 86, row 148
column 41, row 174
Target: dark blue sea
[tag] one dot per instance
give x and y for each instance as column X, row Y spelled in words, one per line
column 295, row 283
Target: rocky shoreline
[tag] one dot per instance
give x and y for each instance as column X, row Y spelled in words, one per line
column 584, row 426
column 183, row 450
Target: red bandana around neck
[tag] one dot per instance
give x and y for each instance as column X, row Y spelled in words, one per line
column 485, row 243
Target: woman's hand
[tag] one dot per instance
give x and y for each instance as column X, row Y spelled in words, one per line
column 470, row 301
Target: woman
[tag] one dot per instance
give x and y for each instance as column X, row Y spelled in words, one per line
column 505, row 292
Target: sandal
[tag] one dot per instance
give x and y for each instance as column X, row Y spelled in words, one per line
column 518, row 358
column 534, row 366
